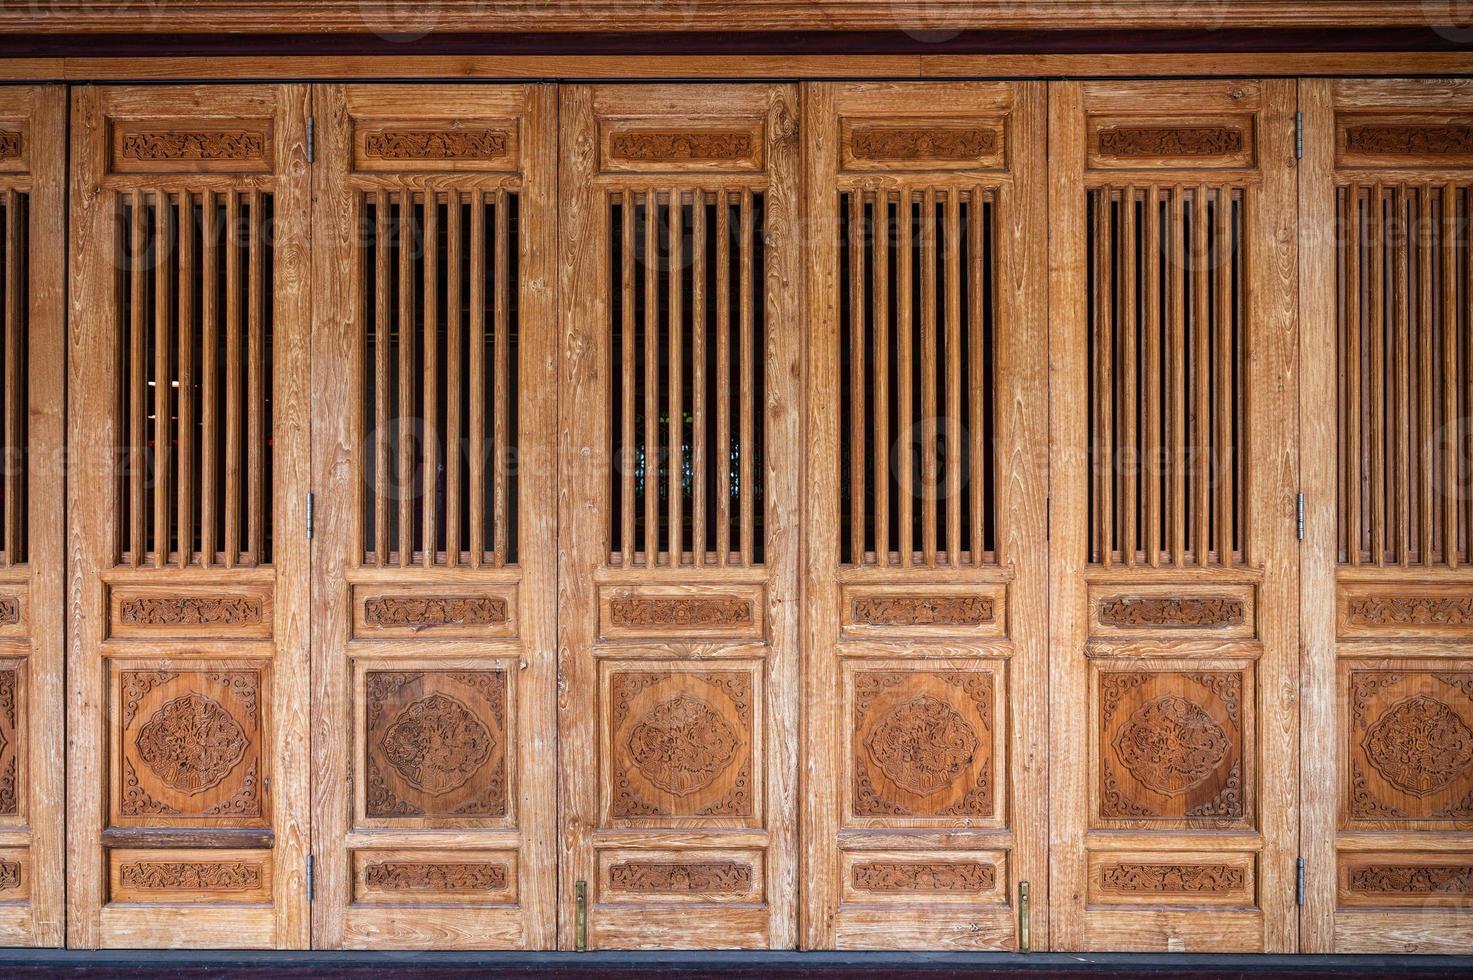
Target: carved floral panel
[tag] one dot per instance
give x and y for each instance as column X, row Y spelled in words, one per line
column 1418, row 880
column 680, row 744
column 12, row 725
column 435, row 744
column 1409, row 746
column 923, row 745
column 932, row 144
column 1171, row 748
column 189, row 746
column 1404, row 140
column 192, row 145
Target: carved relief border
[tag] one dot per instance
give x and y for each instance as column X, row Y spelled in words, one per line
column 207, row 876
column 1172, row 612
column 1403, row 139
column 973, row 878
column 681, row 876
column 429, row 143
column 382, row 876
column 1425, row 610
column 659, row 145
column 1429, row 879
column 915, row 143
column 458, row 611
column 1214, row 142
column 194, row 145
column 701, row 612
column 235, row 612
column 1217, row 878
column 908, row 611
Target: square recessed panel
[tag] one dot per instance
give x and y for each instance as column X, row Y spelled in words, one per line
column 925, row 744
column 1174, row 747
column 188, row 745
column 435, row 745
column 1408, row 744
column 681, row 742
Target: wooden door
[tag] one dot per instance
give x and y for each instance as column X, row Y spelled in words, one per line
column 679, row 529
column 925, row 793
column 187, row 667
column 1386, row 196
column 32, row 557
column 434, row 438
column 1173, row 552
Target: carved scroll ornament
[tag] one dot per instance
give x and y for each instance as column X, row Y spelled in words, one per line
column 900, row 610
column 684, row 877
column 1204, row 612
column 435, row 144
column 424, row 876
column 426, row 612
column 679, row 611
column 1411, row 879
column 925, row 876
column 1409, row 139
column 190, row 875
column 906, row 143
column 9, row 610
column 189, row 610
column 1173, row 879
column 10, row 144
column 681, row 146
column 1411, row 610
column 1170, row 141
column 208, row 144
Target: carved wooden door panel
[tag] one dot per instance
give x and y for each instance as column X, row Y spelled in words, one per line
column 679, row 515
column 32, row 557
column 188, row 767
column 1174, row 574
column 434, row 584
column 1388, row 558
column 926, row 774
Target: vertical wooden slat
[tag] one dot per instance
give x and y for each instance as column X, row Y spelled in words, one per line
column 137, row 445
column 881, row 414
column 477, row 401
column 406, row 378
column 1225, row 398
column 928, row 357
column 1401, row 365
column 979, row 389
column 501, row 390
column 745, row 473
column 1378, row 375
column 453, row 394
column 1129, row 460
column 651, row 382
column 186, row 483
column 905, row 437
column 381, row 379
column 1354, row 458
column 13, row 408
column 1105, row 304
column 953, row 379
column 209, row 381
column 162, row 346
column 1151, row 378
column 673, row 381
column 1201, row 380
column 698, row 377
column 1448, row 314
column 430, row 320
column 723, row 378
column 855, row 439
column 1180, row 442
column 234, row 369
column 629, row 333
column 1425, row 434
column 258, row 290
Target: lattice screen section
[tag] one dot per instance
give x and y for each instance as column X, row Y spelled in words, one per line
column 440, row 303
column 687, row 372
column 1405, row 409
column 918, row 360
column 1168, row 363
column 14, row 351
column 194, row 294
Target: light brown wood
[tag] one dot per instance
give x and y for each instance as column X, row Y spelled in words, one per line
column 661, row 645
column 238, row 689
column 424, row 622
column 925, row 643
column 1193, row 637
column 1385, row 579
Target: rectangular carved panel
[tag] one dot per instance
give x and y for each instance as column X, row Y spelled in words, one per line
column 217, row 877
column 188, row 746
column 234, row 612
column 14, row 146
column 1408, row 746
column 653, row 612
column 934, row 878
column 1403, row 140
column 705, row 145
column 975, row 612
column 921, row 144
column 15, row 874
column 464, row 877
column 1175, row 749
column 461, row 145
column 926, row 747
column 1431, row 879
column 1410, row 610
column 1151, row 611
column 1172, row 879
column 434, row 611
column 436, row 746
column 681, row 877
column 1123, row 143
column 14, row 723
column 186, row 146
column 683, row 744
column 15, row 612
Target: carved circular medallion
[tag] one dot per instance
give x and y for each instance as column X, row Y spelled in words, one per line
column 922, row 744
column 1171, row 744
column 1420, row 745
column 191, row 743
column 682, row 744
column 437, row 743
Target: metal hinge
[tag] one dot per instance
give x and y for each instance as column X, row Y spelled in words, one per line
column 1025, row 941
column 580, row 929
column 311, row 138
column 1299, row 517
column 1299, row 882
column 1299, row 136
column 311, row 507
column 311, row 880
